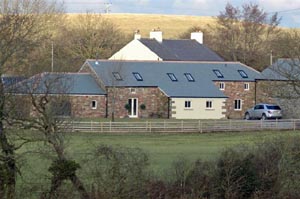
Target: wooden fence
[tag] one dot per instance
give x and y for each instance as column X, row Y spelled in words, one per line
column 200, row 126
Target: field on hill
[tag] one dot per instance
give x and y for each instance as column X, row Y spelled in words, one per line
column 163, row 149
column 171, row 25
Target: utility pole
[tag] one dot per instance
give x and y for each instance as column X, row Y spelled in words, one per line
column 52, row 57
column 271, row 58
column 107, row 7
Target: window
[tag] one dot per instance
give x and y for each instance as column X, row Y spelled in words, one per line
column 243, row 74
column 246, row 86
column 209, row 104
column 172, row 77
column 222, row 86
column 117, row 76
column 238, row 104
column 189, row 77
column 137, row 76
column 94, row 104
column 218, row 74
column 132, row 90
column 187, row 104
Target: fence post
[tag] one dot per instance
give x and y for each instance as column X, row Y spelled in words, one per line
column 181, row 125
column 73, row 128
column 109, row 126
column 150, row 127
column 294, row 122
column 91, row 125
column 146, row 125
column 101, row 127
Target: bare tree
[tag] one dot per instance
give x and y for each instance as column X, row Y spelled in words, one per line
column 22, row 28
column 87, row 36
column 49, row 101
column 245, row 34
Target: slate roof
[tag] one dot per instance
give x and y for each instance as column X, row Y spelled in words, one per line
column 59, row 83
column 154, row 74
column 283, row 69
column 10, row 80
column 181, row 50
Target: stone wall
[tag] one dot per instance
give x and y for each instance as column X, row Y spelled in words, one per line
column 82, row 106
column 156, row 103
column 235, row 91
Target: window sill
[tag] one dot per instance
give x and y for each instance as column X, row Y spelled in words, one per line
column 188, row 109
column 209, row 109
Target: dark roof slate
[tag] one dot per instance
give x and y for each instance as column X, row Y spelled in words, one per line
column 181, row 50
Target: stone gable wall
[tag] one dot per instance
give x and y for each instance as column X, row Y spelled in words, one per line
column 153, row 98
column 235, row 91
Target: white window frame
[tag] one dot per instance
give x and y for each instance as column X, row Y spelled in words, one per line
column 94, row 106
column 246, row 86
column 132, row 90
column 209, row 104
column 239, row 105
column 186, row 103
column 222, row 87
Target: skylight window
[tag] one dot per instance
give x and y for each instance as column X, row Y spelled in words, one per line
column 189, row 77
column 218, row 73
column 243, row 74
column 172, row 77
column 117, row 76
column 137, row 76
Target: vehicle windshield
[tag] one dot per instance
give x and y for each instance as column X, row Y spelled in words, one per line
column 273, row 107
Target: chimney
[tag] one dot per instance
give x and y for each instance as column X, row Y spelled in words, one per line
column 198, row 36
column 137, row 34
column 156, row 34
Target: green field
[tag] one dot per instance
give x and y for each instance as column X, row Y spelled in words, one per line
column 162, row 149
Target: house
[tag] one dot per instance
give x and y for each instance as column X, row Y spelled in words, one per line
column 155, row 48
column 82, row 97
column 148, row 89
column 280, row 85
column 175, row 89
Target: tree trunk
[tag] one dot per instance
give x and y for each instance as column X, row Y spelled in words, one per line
column 9, row 165
column 79, row 187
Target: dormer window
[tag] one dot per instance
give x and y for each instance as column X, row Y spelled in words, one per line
column 117, row 76
column 218, row 73
column 137, row 76
column 189, row 77
column 172, row 77
column 243, row 74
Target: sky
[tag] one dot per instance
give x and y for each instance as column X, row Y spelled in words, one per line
column 288, row 10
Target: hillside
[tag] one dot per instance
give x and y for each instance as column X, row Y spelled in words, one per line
column 171, row 25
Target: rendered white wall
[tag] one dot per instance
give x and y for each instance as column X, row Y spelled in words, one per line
column 198, row 109
column 135, row 50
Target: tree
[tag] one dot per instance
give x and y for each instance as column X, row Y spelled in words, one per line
column 22, row 26
column 87, row 36
column 48, row 97
column 246, row 34
column 119, row 172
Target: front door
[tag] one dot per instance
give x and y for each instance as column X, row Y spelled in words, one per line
column 133, row 112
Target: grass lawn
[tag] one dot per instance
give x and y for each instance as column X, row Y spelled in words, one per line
column 162, row 149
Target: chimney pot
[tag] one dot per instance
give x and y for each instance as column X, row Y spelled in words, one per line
column 137, row 34
column 198, row 36
column 156, row 34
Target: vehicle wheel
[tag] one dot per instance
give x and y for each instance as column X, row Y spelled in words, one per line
column 263, row 117
column 247, row 116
